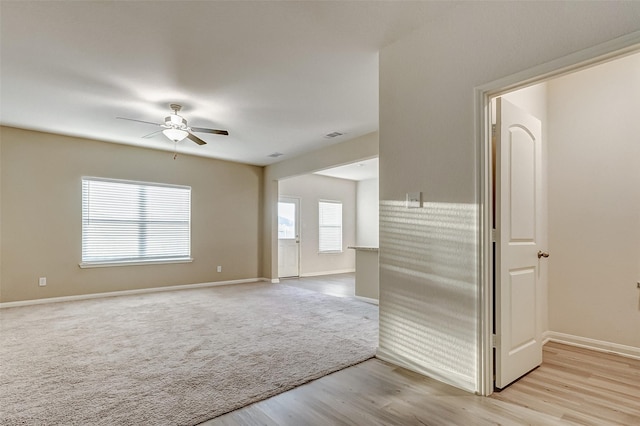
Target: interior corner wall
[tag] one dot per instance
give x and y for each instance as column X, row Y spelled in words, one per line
column 367, row 216
column 41, row 215
column 429, row 282
column 594, row 199
column 311, row 189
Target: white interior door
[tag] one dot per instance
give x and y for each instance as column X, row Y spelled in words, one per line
column 288, row 237
column 519, row 243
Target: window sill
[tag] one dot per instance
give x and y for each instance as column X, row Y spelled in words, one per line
column 331, row 252
column 86, row 265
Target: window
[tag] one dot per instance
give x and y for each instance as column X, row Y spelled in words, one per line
column 330, row 226
column 125, row 222
column 286, row 221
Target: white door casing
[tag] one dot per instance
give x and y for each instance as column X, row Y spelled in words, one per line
column 288, row 237
column 519, row 239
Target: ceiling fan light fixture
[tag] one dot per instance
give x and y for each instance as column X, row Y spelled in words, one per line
column 176, row 135
column 176, row 128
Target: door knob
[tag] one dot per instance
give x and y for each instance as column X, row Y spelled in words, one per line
column 542, row 254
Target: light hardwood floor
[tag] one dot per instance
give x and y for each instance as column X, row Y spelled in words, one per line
column 581, row 386
column 573, row 386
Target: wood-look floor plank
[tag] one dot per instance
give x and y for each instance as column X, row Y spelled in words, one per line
column 581, row 386
column 574, row 386
column 567, row 390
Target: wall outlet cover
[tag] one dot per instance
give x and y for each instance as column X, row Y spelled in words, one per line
column 414, row 200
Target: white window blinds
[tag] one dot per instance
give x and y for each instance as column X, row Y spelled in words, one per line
column 330, row 226
column 134, row 222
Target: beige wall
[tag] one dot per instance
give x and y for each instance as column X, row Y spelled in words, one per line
column 429, row 283
column 360, row 148
column 594, row 198
column 311, row 189
column 367, row 215
column 41, row 215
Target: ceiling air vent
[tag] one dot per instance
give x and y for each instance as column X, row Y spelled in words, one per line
column 275, row 154
column 333, row 135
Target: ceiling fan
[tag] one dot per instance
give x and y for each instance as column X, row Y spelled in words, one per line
column 176, row 129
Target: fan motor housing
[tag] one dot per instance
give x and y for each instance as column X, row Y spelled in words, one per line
column 175, row 121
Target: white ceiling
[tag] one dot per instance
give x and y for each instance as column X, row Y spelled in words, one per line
column 277, row 75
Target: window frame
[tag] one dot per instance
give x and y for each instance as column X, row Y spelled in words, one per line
column 137, row 260
column 320, row 226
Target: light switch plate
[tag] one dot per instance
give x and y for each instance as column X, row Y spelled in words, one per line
column 414, row 200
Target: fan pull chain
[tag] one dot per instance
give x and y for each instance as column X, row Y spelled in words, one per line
column 175, row 150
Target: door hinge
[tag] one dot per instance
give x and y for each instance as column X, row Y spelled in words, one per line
column 493, row 235
column 493, row 130
column 495, row 341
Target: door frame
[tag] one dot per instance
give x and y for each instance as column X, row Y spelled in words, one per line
column 297, row 200
column 598, row 54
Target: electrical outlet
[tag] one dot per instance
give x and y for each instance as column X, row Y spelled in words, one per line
column 42, row 281
column 219, row 268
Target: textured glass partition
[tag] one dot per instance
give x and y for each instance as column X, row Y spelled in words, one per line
column 428, row 289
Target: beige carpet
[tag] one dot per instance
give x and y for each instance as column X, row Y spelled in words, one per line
column 173, row 358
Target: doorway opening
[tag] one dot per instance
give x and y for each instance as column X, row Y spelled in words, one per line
column 490, row 332
column 337, row 209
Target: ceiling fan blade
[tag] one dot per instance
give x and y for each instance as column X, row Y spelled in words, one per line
column 196, row 139
column 152, row 134
column 214, row 131
column 139, row 121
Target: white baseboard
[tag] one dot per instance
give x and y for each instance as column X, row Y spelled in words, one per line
column 368, row 300
column 125, row 292
column 592, row 344
column 317, row 274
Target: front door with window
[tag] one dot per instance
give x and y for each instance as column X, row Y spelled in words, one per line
column 288, row 237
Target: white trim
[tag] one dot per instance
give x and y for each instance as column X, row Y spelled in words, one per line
column 593, row 344
column 86, row 265
column 337, row 271
column 136, row 182
column 485, row 252
column 124, row 293
column 271, row 280
column 582, row 59
column 368, row 300
column 448, row 377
